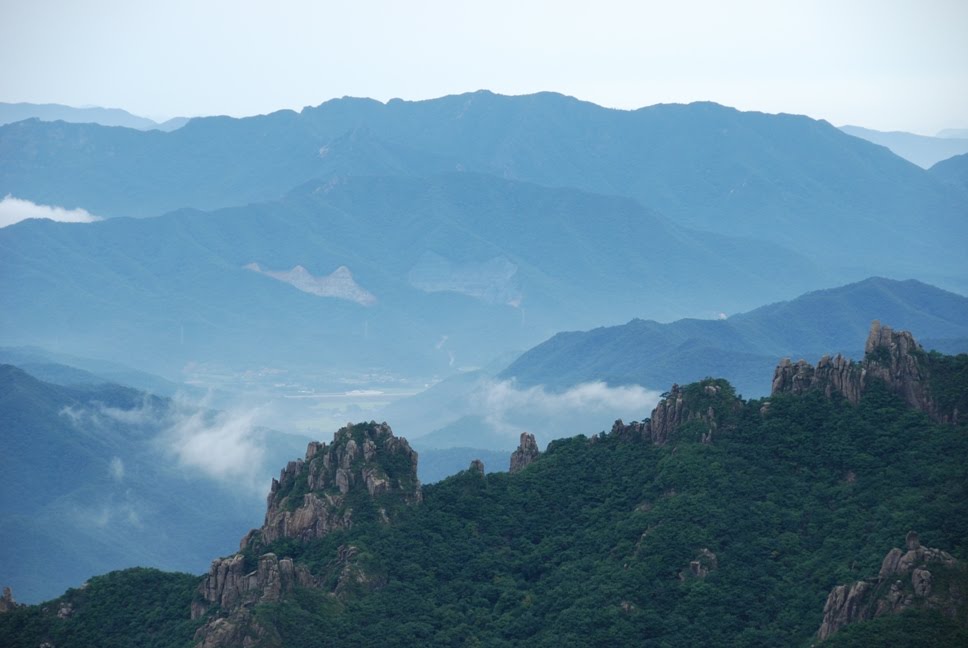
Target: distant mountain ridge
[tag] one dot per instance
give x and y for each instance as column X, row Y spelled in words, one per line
column 14, row 112
column 787, row 179
column 922, row 150
column 740, row 347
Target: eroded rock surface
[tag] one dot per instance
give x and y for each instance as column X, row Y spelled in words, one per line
column 893, row 357
column 708, row 403
column 905, row 581
column 313, row 496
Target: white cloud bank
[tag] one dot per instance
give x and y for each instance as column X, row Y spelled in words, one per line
column 13, row 210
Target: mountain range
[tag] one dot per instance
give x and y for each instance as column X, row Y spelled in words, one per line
column 393, row 272
column 744, row 346
column 786, row 179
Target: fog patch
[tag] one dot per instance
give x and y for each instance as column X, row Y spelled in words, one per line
column 226, row 446
column 116, row 469
column 13, row 210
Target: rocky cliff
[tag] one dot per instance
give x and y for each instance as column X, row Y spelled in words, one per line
column 365, row 464
column 893, row 357
column 365, row 473
column 707, row 405
column 914, row 577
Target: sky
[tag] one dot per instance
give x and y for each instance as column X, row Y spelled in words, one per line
column 887, row 64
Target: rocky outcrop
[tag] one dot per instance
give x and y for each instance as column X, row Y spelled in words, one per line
column 230, row 583
column 893, row 357
column 705, row 562
column 526, row 453
column 709, row 403
column 906, row 580
column 313, row 496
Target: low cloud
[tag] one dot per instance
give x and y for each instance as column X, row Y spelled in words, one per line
column 13, row 210
column 226, row 446
column 510, row 409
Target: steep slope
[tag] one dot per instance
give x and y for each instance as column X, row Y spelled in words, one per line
column 92, row 482
column 358, row 272
column 743, row 347
column 714, row 522
column 787, row 179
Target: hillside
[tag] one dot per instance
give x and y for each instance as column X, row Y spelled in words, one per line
column 788, row 179
column 94, row 481
column 743, row 347
column 370, row 273
column 717, row 521
column 953, row 171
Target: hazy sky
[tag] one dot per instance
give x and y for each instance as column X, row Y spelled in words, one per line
column 883, row 64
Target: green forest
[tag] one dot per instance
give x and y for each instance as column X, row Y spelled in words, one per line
column 609, row 540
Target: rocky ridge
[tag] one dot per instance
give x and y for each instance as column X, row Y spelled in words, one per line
column 916, row 577
column 708, row 404
column 366, row 468
column 893, row 357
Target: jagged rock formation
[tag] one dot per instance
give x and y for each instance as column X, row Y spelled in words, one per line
column 231, row 583
column 526, row 453
column 709, row 403
column 907, row 579
column 893, row 357
column 312, row 497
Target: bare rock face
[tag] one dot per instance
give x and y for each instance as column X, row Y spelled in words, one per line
column 708, row 403
column 526, row 453
column 313, row 496
column 905, row 581
column 230, row 583
column 893, row 357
